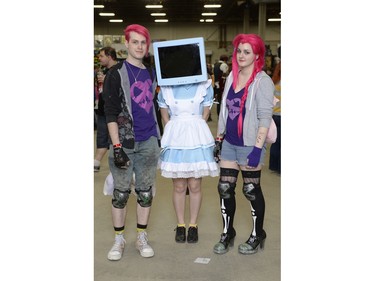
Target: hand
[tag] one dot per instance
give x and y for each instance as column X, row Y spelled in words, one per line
column 217, row 150
column 122, row 160
column 100, row 76
column 253, row 158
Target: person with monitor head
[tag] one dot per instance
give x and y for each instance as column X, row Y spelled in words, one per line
column 132, row 124
column 245, row 116
column 187, row 147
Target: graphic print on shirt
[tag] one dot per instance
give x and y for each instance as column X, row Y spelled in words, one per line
column 233, row 107
column 141, row 94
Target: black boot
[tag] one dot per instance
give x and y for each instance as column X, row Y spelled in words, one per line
column 226, row 240
column 252, row 245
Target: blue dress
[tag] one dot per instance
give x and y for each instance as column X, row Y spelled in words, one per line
column 187, row 143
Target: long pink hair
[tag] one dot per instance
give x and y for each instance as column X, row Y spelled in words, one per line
column 140, row 30
column 259, row 49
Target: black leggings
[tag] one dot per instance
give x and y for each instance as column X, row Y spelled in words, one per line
column 251, row 190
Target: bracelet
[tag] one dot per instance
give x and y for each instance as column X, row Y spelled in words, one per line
column 219, row 139
column 117, row 145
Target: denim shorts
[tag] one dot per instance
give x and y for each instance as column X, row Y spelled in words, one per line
column 143, row 162
column 102, row 135
column 230, row 152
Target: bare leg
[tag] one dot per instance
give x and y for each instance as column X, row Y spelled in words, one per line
column 179, row 194
column 118, row 217
column 195, row 198
column 100, row 152
column 143, row 214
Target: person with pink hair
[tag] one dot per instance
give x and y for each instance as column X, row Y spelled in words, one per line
column 244, row 119
column 128, row 93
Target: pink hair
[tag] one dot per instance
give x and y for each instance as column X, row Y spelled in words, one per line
column 259, row 49
column 140, row 30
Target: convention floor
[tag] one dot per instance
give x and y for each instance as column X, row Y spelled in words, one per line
column 173, row 261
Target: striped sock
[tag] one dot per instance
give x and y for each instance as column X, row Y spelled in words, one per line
column 119, row 230
column 141, row 227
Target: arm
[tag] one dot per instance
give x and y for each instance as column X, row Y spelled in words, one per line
column 121, row 159
column 164, row 115
column 264, row 100
column 207, row 103
column 112, row 108
column 111, row 97
column 276, row 77
column 206, row 113
column 113, row 132
column 261, row 137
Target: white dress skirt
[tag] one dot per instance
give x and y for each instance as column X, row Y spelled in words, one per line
column 187, row 143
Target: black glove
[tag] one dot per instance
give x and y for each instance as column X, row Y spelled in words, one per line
column 122, row 160
column 217, row 150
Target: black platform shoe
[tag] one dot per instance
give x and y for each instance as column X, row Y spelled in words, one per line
column 252, row 245
column 180, row 234
column 226, row 240
column 192, row 236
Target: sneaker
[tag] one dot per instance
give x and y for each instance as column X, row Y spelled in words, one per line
column 96, row 165
column 180, row 234
column 118, row 247
column 192, row 235
column 143, row 247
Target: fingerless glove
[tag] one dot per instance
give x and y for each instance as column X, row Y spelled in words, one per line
column 254, row 157
column 121, row 160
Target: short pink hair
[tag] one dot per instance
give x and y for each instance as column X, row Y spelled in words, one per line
column 140, row 30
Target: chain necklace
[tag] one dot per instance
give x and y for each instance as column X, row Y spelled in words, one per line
column 135, row 77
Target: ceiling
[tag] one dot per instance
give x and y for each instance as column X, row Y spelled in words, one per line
column 184, row 11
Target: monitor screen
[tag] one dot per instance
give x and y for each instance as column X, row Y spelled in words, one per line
column 180, row 62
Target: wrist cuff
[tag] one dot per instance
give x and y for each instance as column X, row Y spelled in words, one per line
column 117, row 145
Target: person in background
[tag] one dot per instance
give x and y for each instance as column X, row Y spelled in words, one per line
column 211, row 74
column 212, row 77
column 96, row 95
column 275, row 149
column 245, row 116
column 107, row 58
column 220, row 73
column 129, row 89
column 187, row 149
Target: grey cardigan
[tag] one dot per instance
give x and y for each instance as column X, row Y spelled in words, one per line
column 258, row 107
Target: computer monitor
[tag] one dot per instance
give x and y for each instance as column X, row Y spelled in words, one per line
column 179, row 62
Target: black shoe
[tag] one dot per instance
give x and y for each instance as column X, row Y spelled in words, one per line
column 192, row 235
column 226, row 240
column 252, row 244
column 180, row 234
